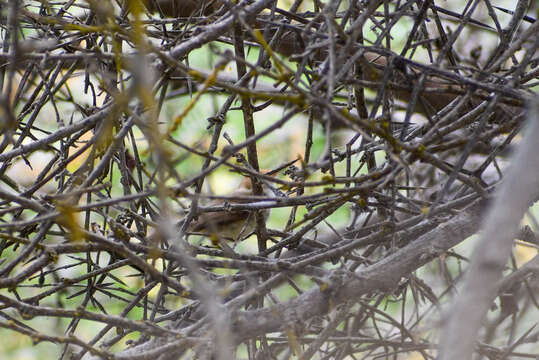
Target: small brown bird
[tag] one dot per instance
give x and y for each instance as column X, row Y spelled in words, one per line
column 181, row 8
column 230, row 224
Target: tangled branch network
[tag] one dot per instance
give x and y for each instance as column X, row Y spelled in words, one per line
column 261, row 179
